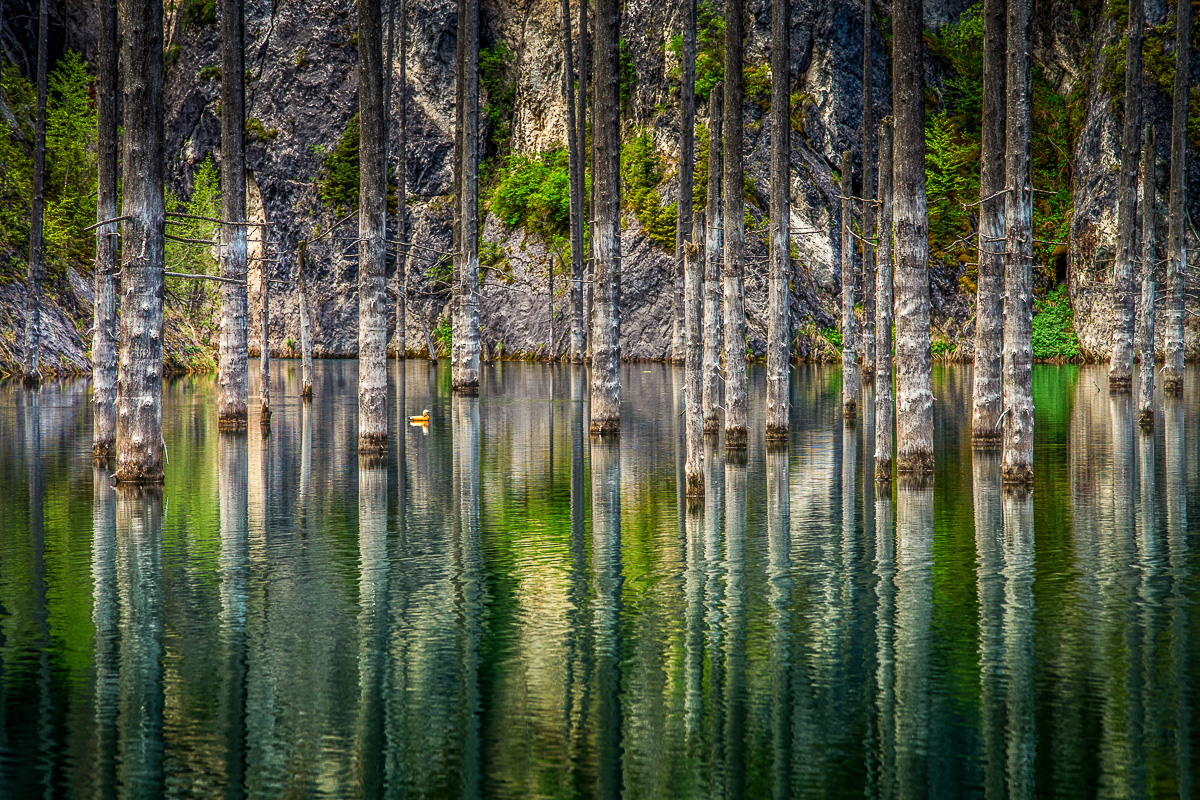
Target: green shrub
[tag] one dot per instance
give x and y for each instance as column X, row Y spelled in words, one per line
column 339, row 172
column 199, row 13
column 443, row 336
column 833, row 336
column 1054, row 326
column 533, row 191
column 209, row 74
column 641, row 174
column 498, row 82
column 710, row 49
column 195, row 299
column 255, row 130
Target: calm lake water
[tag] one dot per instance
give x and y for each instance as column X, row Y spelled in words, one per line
column 508, row 610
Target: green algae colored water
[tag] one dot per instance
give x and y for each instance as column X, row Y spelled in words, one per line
column 506, row 609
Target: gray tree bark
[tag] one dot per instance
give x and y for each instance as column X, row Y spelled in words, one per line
column 264, row 347
column 868, row 192
column 693, row 264
column 1017, row 453
column 1176, row 240
column 712, row 268
column 735, row 234
column 575, row 178
column 606, row 169
column 465, row 367
column 140, row 361
column 884, row 403
column 306, row 374
column 37, row 253
column 232, row 388
column 584, row 310
column 1120, row 366
column 104, row 336
column 372, row 207
column 779, row 279
column 1149, row 257
column 401, row 339
column 987, row 396
column 914, row 385
column 850, row 379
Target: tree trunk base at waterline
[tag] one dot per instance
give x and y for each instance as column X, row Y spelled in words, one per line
column 850, row 410
column 103, row 452
column 1173, row 386
column 735, row 438
column 1018, row 476
column 883, row 470
column 139, row 475
column 605, row 427
column 916, row 463
column 31, row 380
column 1146, row 419
column 232, row 422
column 713, row 424
column 695, row 484
column 306, row 393
column 1119, row 384
column 776, row 434
column 372, row 444
column 467, row 389
column 986, row 439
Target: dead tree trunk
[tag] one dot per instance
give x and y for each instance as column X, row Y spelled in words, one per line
column 606, row 163
column 264, row 346
column 575, row 178
column 1149, row 257
column 465, row 343
column 372, row 206
column 37, row 254
column 401, row 259
column 914, row 386
column 850, row 380
column 868, row 193
column 884, row 405
column 735, row 234
column 583, row 311
column 306, row 376
column 779, row 279
column 140, row 362
column 693, row 264
column 1176, row 240
column 104, row 336
column 712, row 268
column 1017, row 454
column 1120, row 365
column 989, row 305
column 232, row 388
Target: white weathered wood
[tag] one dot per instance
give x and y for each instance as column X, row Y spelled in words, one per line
column 104, row 327
column 306, row 374
column 711, row 401
column 693, row 264
column 1173, row 339
column 1120, row 365
column 1149, row 257
column 866, row 139
column 850, row 379
column 780, row 268
column 884, row 401
column 735, row 233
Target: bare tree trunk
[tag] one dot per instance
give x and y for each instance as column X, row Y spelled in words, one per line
column 1120, row 367
column 232, row 388
column 868, row 193
column 306, row 374
column 693, row 264
column 372, row 206
column 465, row 344
column 104, row 337
column 712, row 268
column 37, row 254
column 400, row 338
column 575, row 178
column 1176, row 238
column 914, row 385
column 735, row 234
column 264, row 347
column 140, row 361
column 884, row 404
column 1017, row 454
column 779, row 279
column 989, row 305
column 550, row 307
column 606, row 163
column 850, row 379
column 583, row 311
column 1149, row 257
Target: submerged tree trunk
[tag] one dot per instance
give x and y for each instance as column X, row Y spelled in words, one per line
column 104, row 336
column 606, row 165
column 465, row 366
column 401, row 339
column 868, row 193
column 712, row 268
column 1120, row 367
column 779, row 279
column 575, row 179
column 1017, row 455
column 232, row 389
column 884, row 405
column 37, row 254
column 914, row 385
column 140, row 363
column 1149, row 257
column 372, row 206
column 264, row 346
column 735, row 234
column 989, row 305
column 1176, row 240
column 693, row 264
column 306, row 376
column 850, row 380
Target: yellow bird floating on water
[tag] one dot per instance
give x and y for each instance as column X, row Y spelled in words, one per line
column 421, row 420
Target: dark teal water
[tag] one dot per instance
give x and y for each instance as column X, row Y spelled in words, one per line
column 508, row 610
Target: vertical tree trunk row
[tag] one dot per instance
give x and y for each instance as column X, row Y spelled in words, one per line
column 1149, row 257
column 1017, row 453
column 306, row 372
column 264, row 348
column 693, row 264
column 606, row 163
column 104, row 336
column 1176, row 239
column 989, row 305
column 735, row 234
column 464, row 375
column 372, row 206
column 37, row 254
column 140, row 363
column 884, row 406
column 850, row 380
column 914, row 386
column 575, row 178
column 712, row 268
column 232, row 388
column 868, row 193
column 1120, row 367
column 779, row 279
